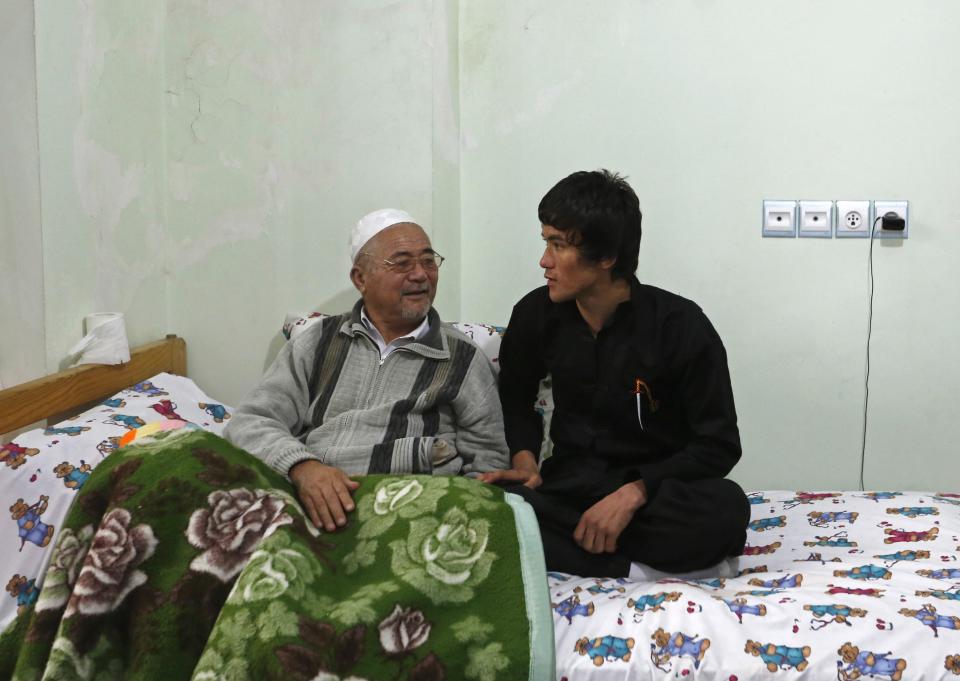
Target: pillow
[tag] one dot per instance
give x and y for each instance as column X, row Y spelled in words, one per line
column 486, row 336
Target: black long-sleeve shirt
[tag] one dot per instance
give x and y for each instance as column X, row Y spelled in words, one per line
column 648, row 398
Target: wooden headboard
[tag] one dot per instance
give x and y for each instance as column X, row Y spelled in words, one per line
column 65, row 392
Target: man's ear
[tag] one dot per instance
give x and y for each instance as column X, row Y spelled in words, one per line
column 607, row 263
column 358, row 277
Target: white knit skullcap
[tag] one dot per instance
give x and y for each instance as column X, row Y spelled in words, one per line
column 372, row 224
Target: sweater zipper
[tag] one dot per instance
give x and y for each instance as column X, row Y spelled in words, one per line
column 378, row 374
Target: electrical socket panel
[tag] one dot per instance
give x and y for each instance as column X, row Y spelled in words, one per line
column 853, row 219
column 901, row 208
column 780, row 218
column 816, row 219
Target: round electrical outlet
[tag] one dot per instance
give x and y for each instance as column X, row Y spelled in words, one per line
column 853, row 219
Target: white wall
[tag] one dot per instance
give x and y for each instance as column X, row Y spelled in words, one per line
column 213, row 155
column 710, row 107
column 201, row 165
column 283, row 129
column 21, row 259
column 99, row 82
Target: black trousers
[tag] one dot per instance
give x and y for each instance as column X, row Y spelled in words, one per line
column 685, row 526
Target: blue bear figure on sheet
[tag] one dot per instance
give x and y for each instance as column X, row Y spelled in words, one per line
column 860, row 663
column 73, row 477
column 653, row 602
column 599, row 587
column 29, row 526
column 785, row 582
column 804, row 498
column 605, row 648
column 927, row 615
column 715, row 583
column 824, row 518
column 127, row 421
column 72, row 431
column 833, row 612
column 147, row 388
column 763, row 524
column 779, row 656
column 740, row 607
column 833, row 541
column 816, row 557
column 944, row 595
column 951, row 573
column 667, row 645
column 217, row 411
column 914, row 511
column 864, row 572
column 903, row 555
column 24, row 590
column 571, row 607
column 108, row 446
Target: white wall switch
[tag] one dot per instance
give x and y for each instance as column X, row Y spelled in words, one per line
column 901, row 208
column 853, row 219
column 780, row 218
column 816, row 219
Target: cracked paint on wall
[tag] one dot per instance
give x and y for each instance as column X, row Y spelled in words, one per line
column 101, row 145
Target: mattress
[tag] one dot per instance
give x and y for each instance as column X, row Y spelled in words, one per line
column 831, row 585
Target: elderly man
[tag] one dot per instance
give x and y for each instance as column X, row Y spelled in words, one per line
column 385, row 388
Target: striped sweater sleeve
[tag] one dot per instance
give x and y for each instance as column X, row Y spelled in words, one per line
column 267, row 422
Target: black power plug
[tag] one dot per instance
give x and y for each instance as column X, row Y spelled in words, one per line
column 891, row 222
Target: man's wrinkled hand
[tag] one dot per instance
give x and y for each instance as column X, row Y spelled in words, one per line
column 601, row 524
column 325, row 493
column 525, row 471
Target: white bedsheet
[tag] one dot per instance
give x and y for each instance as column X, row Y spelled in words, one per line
column 835, row 585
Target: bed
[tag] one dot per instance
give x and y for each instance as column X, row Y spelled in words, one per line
column 177, row 555
column 833, row 584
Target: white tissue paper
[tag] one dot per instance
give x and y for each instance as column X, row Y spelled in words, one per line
column 105, row 342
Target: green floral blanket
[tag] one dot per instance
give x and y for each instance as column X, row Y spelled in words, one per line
column 190, row 559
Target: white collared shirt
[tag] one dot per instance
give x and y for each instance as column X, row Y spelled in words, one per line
column 386, row 348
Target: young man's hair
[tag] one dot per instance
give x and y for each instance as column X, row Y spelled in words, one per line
column 600, row 214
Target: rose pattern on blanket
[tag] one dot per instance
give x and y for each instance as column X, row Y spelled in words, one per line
column 232, row 527
column 64, row 567
column 269, row 574
column 444, row 559
column 109, row 570
column 819, row 591
column 399, row 499
column 124, row 597
column 404, row 630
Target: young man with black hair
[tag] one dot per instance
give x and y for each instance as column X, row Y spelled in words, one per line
column 644, row 427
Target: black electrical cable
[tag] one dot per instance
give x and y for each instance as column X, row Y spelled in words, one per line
column 866, row 383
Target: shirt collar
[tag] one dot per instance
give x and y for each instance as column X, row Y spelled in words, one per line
column 417, row 334
column 568, row 312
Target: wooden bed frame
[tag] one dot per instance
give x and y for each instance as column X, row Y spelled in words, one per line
column 59, row 395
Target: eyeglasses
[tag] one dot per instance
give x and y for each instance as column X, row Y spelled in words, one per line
column 430, row 262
